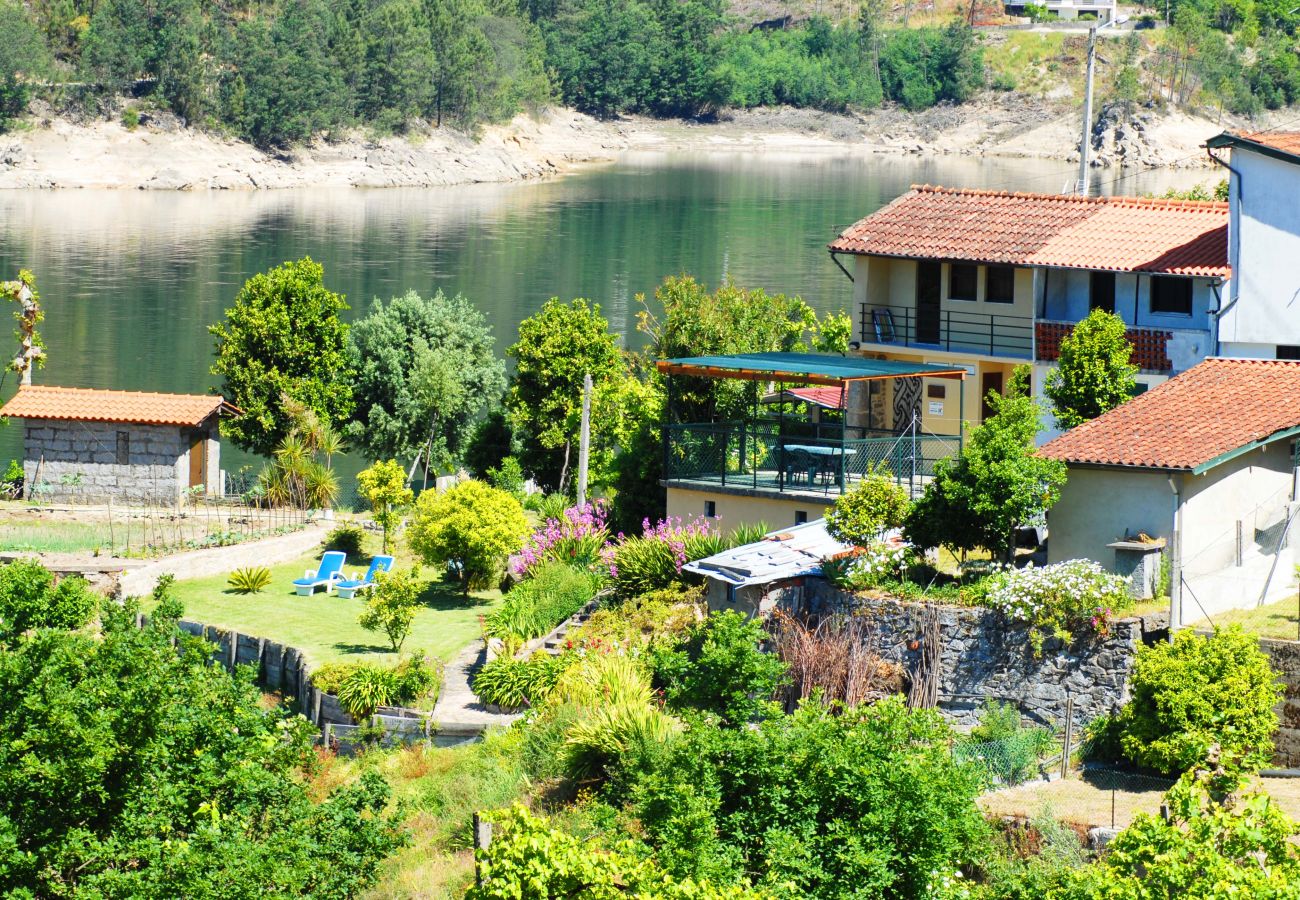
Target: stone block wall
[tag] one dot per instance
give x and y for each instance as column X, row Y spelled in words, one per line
column 982, row 655
column 1285, row 656
column 78, row 461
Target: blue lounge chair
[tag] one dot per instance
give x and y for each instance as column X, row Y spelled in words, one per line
column 330, row 572
column 348, row 589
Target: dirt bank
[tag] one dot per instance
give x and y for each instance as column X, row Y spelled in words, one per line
column 160, row 154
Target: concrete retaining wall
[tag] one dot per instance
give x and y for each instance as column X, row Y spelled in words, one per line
column 271, row 551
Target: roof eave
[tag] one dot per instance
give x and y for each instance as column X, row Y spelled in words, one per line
column 1235, row 140
column 1222, row 272
column 1245, row 448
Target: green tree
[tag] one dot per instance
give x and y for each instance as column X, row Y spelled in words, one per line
column 399, row 63
column 1197, row 694
column 425, row 368
column 462, row 55
column 603, row 53
column 391, row 606
column 134, row 767
column 556, row 348
column 997, row 483
column 282, row 338
column 1094, row 373
column 1206, row 849
column 719, row 667
column 471, row 526
column 866, row 510
column 383, row 486
column 23, row 55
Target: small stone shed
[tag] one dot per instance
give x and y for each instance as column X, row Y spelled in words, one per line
column 755, row 578
column 1205, row 464
column 91, row 445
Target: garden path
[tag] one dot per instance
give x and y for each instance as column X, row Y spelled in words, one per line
column 458, row 710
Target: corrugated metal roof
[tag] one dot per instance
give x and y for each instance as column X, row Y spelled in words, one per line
column 788, row 553
column 814, row 368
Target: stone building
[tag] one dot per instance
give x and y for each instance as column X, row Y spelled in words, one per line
column 90, row 445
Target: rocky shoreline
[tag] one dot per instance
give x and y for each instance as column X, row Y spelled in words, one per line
column 162, row 154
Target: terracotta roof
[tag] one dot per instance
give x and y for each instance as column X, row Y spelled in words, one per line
column 86, row 405
column 827, row 397
column 1124, row 234
column 1281, row 143
column 1191, row 420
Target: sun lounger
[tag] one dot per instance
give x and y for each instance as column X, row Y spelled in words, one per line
column 348, row 589
column 327, row 575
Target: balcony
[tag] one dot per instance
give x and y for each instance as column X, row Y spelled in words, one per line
column 1150, row 345
column 954, row 330
column 798, row 458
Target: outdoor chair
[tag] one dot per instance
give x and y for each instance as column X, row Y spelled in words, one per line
column 326, row 575
column 799, row 464
column 349, row 588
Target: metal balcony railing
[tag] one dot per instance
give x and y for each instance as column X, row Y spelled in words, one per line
column 760, row 457
column 972, row 332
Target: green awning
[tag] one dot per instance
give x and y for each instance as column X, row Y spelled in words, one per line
column 806, row 368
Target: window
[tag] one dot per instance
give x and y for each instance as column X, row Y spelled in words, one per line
column 962, row 280
column 1288, row 351
column 800, row 516
column 123, row 457
column 1101, row 291
column 1000, row 284
column 710, row 509
column 1171, row 295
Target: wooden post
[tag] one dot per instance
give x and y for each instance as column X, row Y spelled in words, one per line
column 234, row 649
column 482, row 840
column 1069, row 734
column 584, row 440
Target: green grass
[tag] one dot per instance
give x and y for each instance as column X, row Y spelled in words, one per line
column 1032, row 60
column 1276, row 620
column 325, row 627
column 50, row 537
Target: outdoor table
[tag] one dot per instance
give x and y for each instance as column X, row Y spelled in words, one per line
column 827, row 454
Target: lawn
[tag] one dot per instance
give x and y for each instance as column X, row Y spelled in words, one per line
column 325, row 627
column 1276, row 620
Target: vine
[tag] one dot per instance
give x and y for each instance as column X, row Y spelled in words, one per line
column 31, row 349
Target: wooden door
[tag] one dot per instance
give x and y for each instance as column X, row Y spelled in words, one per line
column 989, row 381
column 928, row 279
column 198, row 458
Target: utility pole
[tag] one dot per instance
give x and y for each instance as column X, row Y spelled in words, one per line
column 584, row 440
column 1085, row 143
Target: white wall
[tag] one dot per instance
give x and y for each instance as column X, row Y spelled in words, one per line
column 1096, row 507
column 1264, row 247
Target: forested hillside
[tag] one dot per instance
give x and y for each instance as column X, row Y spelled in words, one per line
column 277, row 72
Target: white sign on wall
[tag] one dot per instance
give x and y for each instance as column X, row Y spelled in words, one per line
column 936, row 408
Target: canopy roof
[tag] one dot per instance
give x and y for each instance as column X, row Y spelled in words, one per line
column 806, row 368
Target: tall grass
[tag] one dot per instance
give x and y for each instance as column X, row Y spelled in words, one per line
column 535, row 606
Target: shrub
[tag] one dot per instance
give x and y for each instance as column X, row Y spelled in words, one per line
column 508, row 477
column 719, row 668
column 1058, row 598
column 548, row 506
column 535, row 606
column 365, row 689
column 392, row 605
column 416, row 680
column 575, row 538
column 330, row 676
column 869, row 508
column 471, row 526
column 877, row 565
column 656, row 616
column 1003, row 746
column 131, row 118
column 30, row 598
column 511, row 683
column 529, row 858
column 11, row 487
column 836, row 659
column 347, row 538
column 824, row 803
column 653, row 561
column 612, row 732
column 250, row 580
column 1196, row 693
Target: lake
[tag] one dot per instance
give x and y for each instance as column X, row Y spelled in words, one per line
column 130, row 280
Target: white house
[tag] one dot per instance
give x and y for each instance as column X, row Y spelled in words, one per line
column 1206, row 464
column 1260, row 316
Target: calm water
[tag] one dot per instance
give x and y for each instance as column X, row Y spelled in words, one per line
column 130, row 280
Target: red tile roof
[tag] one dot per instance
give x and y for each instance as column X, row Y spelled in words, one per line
column 1211, row 409
column 827, row 397
column 86, row 405
column 1124, row 234
column 1286, row 143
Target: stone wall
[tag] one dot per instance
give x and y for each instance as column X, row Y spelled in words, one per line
column 79, row 461
column 982, row 656
column 1285, row 656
